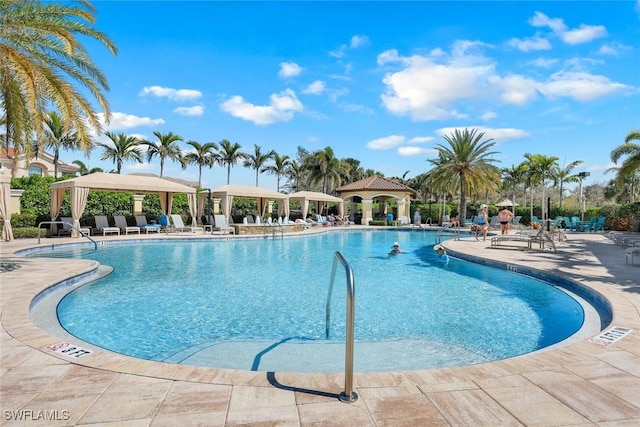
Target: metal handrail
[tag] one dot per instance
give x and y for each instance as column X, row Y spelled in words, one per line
column 453, row 227
column 266, row 226
column 348, row 395
column 95, row 245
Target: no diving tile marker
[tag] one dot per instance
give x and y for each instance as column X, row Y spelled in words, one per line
column 68, row 349
column 612, row 335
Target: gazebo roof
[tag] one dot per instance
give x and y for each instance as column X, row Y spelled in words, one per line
column 375, row 183
column 123, row 183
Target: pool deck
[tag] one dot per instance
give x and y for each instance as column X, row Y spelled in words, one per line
column 580, row 384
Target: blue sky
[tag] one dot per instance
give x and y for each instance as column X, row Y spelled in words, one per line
column 377, row 81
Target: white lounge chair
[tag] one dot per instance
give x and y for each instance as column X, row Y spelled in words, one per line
column 102, row 225
column 221, row 225
column 632, row 255
column 121, row 222
column 141, row 221
column 178, row 224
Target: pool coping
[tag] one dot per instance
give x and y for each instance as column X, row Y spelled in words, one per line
column 561, row 375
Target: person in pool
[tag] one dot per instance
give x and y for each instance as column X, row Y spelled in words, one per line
column 395, row 249
column 442, row 254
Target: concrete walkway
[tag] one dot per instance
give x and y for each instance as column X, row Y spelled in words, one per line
column 581, row 384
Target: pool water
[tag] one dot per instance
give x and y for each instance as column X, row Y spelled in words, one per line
column 168, row 300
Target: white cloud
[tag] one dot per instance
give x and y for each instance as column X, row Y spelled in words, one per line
column 409, row 150
column 539, row 19
column 315, row 88
column 543, row 62
column 289, row 69
column 281, row 108
column 530, row 44
column 172, row 94
column 515, row 89
column 127, row 121
column 426, row 90
column 386, row 142
column 196, row 110
column 420, row 139
column 579, row 86
column 612, row 49
column 358, row 41
column 584, row 34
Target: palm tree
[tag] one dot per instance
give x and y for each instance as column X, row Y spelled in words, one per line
column 296, row 176
column 466, row 164
column 279, row 168
column 257, row 160
column 512, row 177
column 205, row 155
column 125, row 148
column 324, row 167
column 84, row 170
column 230, row 155
column 41, row 55
column 628, row 170
column 57, row 136
column 540, row 168
column 561, row 176
column 166, row 148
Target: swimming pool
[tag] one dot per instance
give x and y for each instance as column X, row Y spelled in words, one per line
column 260, row 304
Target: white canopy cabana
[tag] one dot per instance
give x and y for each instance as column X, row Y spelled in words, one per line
column 5, row 205
column 79, row 188
column 304, row 197
column 226, row 193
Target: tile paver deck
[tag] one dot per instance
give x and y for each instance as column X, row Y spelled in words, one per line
column 579, row 384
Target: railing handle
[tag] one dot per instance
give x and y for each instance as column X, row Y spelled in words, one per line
column 348, row 395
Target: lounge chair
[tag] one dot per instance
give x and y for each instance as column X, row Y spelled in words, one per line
column 515, row 222
column 121, row 222
column 141, row 221
column 221, row 225
column 589, row 226
column 67, row 223
column 179, row 225
column 248, row 220
column 102, row 225
column 165, row 224
column 494, row 224
column 540, row 237
column 599, row 225
column 631, row 255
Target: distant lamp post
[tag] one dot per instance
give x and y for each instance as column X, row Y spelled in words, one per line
column 583, row 206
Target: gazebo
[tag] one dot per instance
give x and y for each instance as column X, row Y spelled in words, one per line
column 304, row 197
column 381, row 189
column 80, row 187
column 226, row 193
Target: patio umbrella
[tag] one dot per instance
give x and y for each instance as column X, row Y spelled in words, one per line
column 506, row 202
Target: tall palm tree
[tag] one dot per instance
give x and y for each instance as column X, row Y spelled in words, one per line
column 540, row 168
column 257, row 160
column 512, row 177
column 565, row 175
column 230, row 155
column 325, row 168
column 353, row 170
column 166, row 148
column 628, row 170
column 84, row 170
column 205, row 155
column 41, row 57
column 296, row 176
column 57, row 136
column 125, row 148
column 279, row 168
column 466, row 164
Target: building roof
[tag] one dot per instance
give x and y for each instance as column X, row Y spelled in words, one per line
column 375, row 183
column 123, row 183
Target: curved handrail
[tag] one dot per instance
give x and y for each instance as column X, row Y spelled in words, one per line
column 348, row 395
column 95, row 245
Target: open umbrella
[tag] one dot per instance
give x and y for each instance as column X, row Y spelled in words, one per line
column 506, row 202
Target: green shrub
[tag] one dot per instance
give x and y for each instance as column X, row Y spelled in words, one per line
column 23, row 220
column 29, row 232
column 378, row 222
